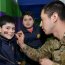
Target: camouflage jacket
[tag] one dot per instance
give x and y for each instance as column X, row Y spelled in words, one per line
column 54, row 49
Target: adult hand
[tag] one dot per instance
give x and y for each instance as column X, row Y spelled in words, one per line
column 20, row 38
column 46, row 61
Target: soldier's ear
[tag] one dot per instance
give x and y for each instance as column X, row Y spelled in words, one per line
column 54, row 17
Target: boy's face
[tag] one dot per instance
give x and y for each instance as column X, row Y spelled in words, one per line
column 8, row 30
column 28, row 21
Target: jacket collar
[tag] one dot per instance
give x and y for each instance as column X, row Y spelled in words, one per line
column 5, row 39
column 63, row 40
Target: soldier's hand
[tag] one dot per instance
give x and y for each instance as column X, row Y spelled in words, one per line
column 20, row 38
column 46, row 61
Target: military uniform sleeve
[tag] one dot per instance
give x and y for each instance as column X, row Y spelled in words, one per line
column 56, row 63
column 36, row 54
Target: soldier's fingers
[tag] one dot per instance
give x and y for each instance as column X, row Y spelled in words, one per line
column 17, row 36
column 20, row 32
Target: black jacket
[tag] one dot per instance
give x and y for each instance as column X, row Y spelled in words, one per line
column 34, row 39
column 9, row 51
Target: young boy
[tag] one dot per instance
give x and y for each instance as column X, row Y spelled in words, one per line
column 9, row 53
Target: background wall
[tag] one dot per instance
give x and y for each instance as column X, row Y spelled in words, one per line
column 34, row 6
column 9, row 7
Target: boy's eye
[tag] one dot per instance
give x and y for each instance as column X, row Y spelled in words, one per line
column 13, row 28
column 10, row 28
column 7, row 28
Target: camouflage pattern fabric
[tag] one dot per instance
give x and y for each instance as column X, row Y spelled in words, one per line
column 53, row 48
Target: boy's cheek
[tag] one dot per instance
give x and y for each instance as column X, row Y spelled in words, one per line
column 5, row 32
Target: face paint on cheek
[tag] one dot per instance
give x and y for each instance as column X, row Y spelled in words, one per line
column 5, row 32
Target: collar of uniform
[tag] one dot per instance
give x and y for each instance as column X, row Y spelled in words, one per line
column 63, row 39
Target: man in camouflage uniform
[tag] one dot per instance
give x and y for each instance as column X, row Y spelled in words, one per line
column 53, row 22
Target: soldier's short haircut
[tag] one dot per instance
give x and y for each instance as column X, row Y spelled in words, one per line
column 6, row 19
column 56, row 6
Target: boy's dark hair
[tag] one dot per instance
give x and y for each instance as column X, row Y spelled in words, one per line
column 27, row 13
column 6, row 19
column 58, row 7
